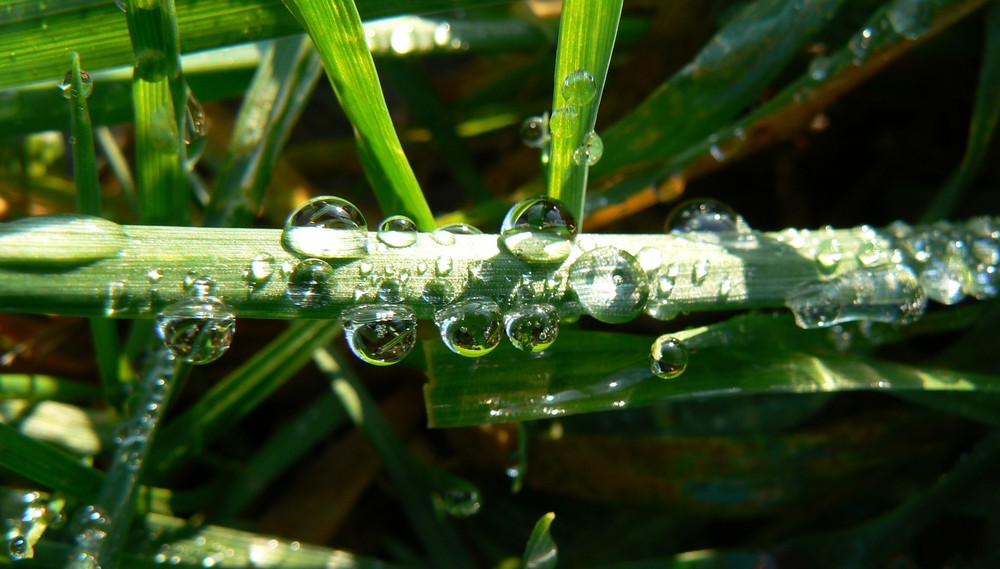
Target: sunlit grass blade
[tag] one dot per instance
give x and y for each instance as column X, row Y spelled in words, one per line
column 541, row 551
column 437, row 536
column 336, row 30
column 42, row 464
column 985, row 116
column 587, row 31
column 160, row 98
column 43, row 387
column 238, row 394
column 573, row 378
column 279, row 91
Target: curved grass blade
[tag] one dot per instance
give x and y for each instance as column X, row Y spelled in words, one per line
column 541, row 551
column 44, row 465
column 587, row 32
column 335, row 28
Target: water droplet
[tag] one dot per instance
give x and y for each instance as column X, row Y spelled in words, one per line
column 67, row 84
column 365, row 268
column 261, row 268
column 390, row 291
column 650, row 259
column 533, row 327
column 83, row 560
column 860, row 44
column 591, row 151
column 151, row 65
column 889, row 293
column 722, row 150
column 704, row 215
column 154, row 276
column 535, row 131
column 610, row 284
column 442, row 267
column 579, row 88
column 397, row 231
column 326, row 227
column 725, row 287
column 829, row 254
column 944, row 279
column 700, row 270
column 438, row 293
column 460, row 502
column 197, row 330
column 471, row 328
column 539, row 230
column 819, row 68
column 563, row 121
column 18, row 547
column 93, row 525
column 195, row 130
column 309, row 282
column 380, row 334
column 117, row 298
column 668, row 357
column 910, row 18
column 203, row 286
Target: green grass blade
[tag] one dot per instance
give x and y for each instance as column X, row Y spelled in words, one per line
column 43, row 387
column 119, row 165
column 42, row 464
column 88, row 201
column 587, row 32
column 438, row 537
column 335, row 28
column 160, row 98
column 541, row 551
column 279, row 91
column 985, row 116
column 238, row 394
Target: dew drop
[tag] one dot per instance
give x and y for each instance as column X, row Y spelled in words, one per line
column 579, row 88
column 421, row 268
column 154, row 276
column 438, row 293
column 610, row 284
column 261, row 268
column 397, row 231
column 539, row 230
column 725, row 287
column 151, row 65
column 326, row 227
column 700, row 270
column 93, row 525
column 819, row 68
column 117, row 298
column 535, row 131
column 380, row 334
column 203, row 286
column 650, row 259
column 563, row 121
column 829, row 254
column 704, row 215
column 18, row 547
column 197, row 330
column 944, row 279
column 724, row 149
column 308, row 283
column 471, row 328
column 195, row 130
column 532, row 328
column 860, row 45
column 668, row 357
column 365, row 268
column 910, row 18
column 591, row 151
column 442, row 267
column 390, row 291
column 460, row 502
column 67, row 84
column 888, row 293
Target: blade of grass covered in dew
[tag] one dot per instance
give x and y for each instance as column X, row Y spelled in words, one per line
column 428, row 110
column 286, row 446
column 335, row 28
column 34, row 387
column 46, row 466
column 102, row 534
column 985, row 116
column 438, row 537
column 88, row 200
column 590, row 371
column 782, row 117
column 281, row 87
column 587, row 31
column 541, row 551
column 119, row 165
column 239, row 393
column 875, row 541
column 33, row 45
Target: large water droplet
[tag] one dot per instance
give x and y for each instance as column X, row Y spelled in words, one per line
column 704, row 215
column 668, row 357
column 610, row 284
column 579, row 88
column 535, row 131
column 889, row 293
column 563, row 121
column 380, row 334
column 197, row 330
column 308, row 283
column 471, row 328
column 67, row 84
column 533, row 327
column 539, row 230
column 398, row 231
column 910, row 18
column 591, row 151
column 326, row 227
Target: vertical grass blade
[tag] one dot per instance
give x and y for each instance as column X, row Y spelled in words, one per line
column 335, row 28
column 587, row 34
column 440, row 540
column 88, row 201
column 160, row 97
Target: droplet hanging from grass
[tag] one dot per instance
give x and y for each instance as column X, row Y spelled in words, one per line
column 326, row 227
column 197, row 330
column 532, row 328
column 535, row 131
column 471, row 328
column 195, row 130
column 539, row 230
column 704, row 215
column 380, row 334
column 668, row 357
column 591, row 151
column 308, row 283
column 67, row 84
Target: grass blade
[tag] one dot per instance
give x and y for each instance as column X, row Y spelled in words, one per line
column 587, row 32
column 335, row 28
column 541, row 551
column 44, row 465
column 42, row 387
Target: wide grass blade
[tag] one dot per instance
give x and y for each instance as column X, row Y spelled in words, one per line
column 335, row 27
column 43, row 387
column 42, row 464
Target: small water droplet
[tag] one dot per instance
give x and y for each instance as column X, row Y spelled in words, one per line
column 579, row 88
column 700, row 270
column 460, row 502
column 610, row 284
column 860, row 44
column 397, row 231
column 18, row 547
column 535, row 131
column 650, row 259
column 819, row 68
column 563, row 121
column 910, row 18
column 326, row 227
column 704, row 215
column 195, row 130
column 532, row 328
column 471, row 328
column 380, row 334
column 308, row 283
column 829, row 254
column 944, row 279
column 117, row 298
column 668, row 357
column 725, row 287
column 539, row 230
column 438, row 293
column 889, row 293
column 197, row 330
column 151, row 65
column 67, row 84
column 154, row 276
column 725, row 148
column 261, row 268
column 390, row 291
column 590, row 151
column 93, row 525
column 421, row 268
column 203, row 286
column 442, row 267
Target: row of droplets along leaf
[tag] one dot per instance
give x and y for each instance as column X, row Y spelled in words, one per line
column 578, row 90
